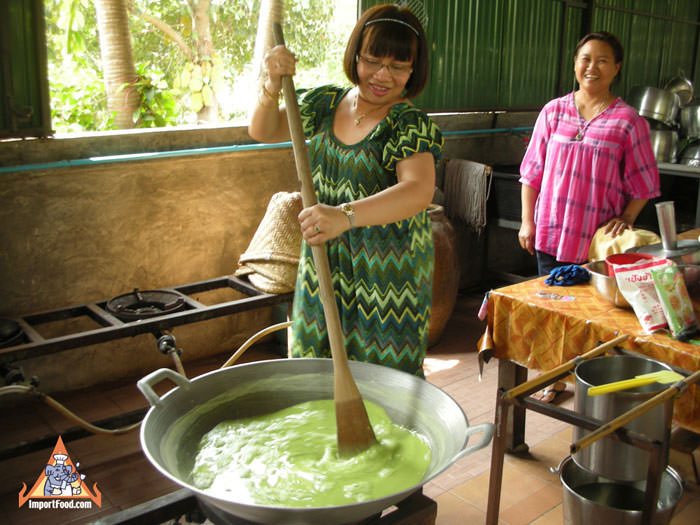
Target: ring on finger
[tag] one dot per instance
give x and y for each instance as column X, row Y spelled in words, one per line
column 317, row 229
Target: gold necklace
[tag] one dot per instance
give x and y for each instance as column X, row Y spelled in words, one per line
column 359, row 118
column 581, row 130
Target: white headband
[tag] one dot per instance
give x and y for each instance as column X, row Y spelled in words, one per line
column 396, row 21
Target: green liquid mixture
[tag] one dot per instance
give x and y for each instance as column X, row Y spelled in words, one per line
column 290, row 458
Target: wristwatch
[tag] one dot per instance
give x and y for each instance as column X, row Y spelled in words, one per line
column 349, row 212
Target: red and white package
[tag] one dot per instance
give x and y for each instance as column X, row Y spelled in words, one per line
column 637, row 286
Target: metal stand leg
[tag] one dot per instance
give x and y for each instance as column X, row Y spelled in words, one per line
column 497, row 459
column 511, row 375
column 697, row 208
column 654, row 473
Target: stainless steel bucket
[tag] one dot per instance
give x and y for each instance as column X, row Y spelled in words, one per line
column 173, row 427
column 609, row 457
column 589, row 498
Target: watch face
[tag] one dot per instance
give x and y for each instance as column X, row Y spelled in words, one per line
column 349, row 211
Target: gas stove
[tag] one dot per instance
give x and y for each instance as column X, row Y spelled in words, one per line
column 127, row 315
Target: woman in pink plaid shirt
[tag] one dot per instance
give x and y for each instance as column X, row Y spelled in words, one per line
column 589, row 162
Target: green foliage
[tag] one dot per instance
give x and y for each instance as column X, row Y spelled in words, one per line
column 157, row 103
column 71, row 32
column 78, row 99
column 313, row 31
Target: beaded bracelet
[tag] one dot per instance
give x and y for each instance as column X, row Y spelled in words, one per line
column 261, row 101
column 268, row 94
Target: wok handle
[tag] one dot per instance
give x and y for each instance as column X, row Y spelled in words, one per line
column 486, row 430
column 145, row 384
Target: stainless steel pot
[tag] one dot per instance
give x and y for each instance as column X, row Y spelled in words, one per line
column 590, row 498
column 176, row 422
column 654, row 103
column 690, row 156
column 690, row 121
column 609, row 457
column 664, row 144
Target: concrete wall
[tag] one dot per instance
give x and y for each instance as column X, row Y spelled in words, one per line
column 80, row 233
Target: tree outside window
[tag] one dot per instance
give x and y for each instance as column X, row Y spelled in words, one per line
column 116, row 64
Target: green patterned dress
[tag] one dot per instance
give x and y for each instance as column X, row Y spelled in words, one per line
column 382, row 275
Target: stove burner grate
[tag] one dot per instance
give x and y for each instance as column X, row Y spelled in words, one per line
column 137, row 305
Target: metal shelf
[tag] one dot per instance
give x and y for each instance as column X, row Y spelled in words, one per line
column 681, row 170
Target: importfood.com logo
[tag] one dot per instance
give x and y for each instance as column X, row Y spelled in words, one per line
column 60, row 485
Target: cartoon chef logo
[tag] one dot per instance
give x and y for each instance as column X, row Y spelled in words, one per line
column 59, row 481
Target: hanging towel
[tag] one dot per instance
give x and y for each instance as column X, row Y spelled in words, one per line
column 466, row 188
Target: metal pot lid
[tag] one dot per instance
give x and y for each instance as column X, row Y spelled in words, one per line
column 683, row 247
column 144, row 304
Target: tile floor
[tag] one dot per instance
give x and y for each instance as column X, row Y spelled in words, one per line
column 530, row 492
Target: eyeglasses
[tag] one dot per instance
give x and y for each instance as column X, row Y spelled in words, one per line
column 373, row 66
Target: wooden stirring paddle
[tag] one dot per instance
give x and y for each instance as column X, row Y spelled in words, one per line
column 355, row 433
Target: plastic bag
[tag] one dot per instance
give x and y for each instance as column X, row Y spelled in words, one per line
column 675, row 300
column 637, row 286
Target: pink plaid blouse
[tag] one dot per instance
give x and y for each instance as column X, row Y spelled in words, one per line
column 584, row 183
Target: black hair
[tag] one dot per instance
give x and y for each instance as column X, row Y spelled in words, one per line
column 389, row 30
column 608, row 38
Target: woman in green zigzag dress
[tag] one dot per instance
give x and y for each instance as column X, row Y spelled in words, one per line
column 372, row 156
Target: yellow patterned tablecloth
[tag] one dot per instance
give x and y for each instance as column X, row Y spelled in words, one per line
column 539, row 326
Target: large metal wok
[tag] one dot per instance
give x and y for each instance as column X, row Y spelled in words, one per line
column 176, row 421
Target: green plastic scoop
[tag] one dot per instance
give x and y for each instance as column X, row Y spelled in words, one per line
column 663, row 376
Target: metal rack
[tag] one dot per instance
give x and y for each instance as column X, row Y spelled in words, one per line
column 518, row 399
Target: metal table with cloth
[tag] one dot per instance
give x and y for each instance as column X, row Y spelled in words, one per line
column 532, row 325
